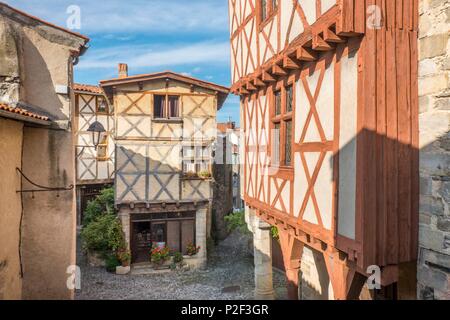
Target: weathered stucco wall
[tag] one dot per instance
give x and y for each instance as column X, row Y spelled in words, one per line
column 434, row 86
column 40, row 60
column 49, row 221
column 10, row 209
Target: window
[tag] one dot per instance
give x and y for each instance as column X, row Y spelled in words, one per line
column 289, row 99
column 102, row 105
column 278, row 103
column 158, row 106
column 263, row 10
column 276, row 144
column 282, row 126
column 288, row 147
column 166, row 106
column 196, row 160
column 173, row 107
column 102, row 149
column 268, row 8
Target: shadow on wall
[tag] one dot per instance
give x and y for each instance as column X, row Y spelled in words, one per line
column 378, row 196
column 38, row 84
column 149, row 174
column 385, row 173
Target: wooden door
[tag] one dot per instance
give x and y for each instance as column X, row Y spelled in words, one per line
column 141, row 242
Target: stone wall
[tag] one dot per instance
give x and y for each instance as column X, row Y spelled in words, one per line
column 223, row 192
column 434, row 92
column 36, row 61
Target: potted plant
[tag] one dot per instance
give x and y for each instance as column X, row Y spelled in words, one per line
column 159, row 255
column 192, row 250
column 191, row 174
column 204, row 174
column 124, row 257
column 177, row 257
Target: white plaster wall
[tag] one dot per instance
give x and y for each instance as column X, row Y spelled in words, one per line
column 347, row 146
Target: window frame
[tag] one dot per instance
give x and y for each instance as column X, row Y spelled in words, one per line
column 97, row 104
column 196, row 159
column 271, row 11
column 282, row 119
column 106, row 146
column 166, row 112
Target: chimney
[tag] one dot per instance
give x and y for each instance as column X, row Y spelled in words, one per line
column 123, row 70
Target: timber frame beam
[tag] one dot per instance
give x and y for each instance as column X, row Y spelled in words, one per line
column 331, row 29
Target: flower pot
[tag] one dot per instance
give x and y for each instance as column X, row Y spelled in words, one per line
column 163, row 264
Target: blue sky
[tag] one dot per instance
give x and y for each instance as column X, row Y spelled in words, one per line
column 185, row 36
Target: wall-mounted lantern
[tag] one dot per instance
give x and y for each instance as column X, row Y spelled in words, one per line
column 96, row 129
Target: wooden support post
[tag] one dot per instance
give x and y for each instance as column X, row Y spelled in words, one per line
column 347, row 283
column 292, row 250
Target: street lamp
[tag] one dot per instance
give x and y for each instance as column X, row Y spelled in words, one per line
column 96, row 129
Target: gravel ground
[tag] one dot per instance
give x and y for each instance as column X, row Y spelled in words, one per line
column 229, row 265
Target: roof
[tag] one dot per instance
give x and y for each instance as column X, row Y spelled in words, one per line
column 2, row 4
column 165, row 75
column 22, row 112
column 87, row 88
column 224, row 127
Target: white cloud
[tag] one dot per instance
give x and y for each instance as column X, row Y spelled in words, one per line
column 151, row 56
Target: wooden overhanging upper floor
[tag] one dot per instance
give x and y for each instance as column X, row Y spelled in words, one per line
column 138, row 83
column 268, row 44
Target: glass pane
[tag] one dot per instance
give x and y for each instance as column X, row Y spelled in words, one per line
column 159, row 234
column 263, row 9
column 102, row 149
column 173, row 235
column 189, row 167
column 188, row 152
column 174, row 106
column 289, row 99
column 288, row 150
column 102, row 106
column 274, row 4
column 276, row 145
column 277, row 103
column 158, row 106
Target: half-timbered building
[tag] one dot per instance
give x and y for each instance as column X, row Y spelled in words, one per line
column 165, row 129
column 94, row 163
column 329, row 107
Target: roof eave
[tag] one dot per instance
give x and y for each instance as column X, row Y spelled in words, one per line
column 158, row 76
column 22, row 118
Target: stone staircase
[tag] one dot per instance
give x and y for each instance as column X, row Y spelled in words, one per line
column 147, row 269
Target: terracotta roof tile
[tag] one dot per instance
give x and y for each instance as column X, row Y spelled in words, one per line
column 87, row 88
column 224, row 127
column 22, row 112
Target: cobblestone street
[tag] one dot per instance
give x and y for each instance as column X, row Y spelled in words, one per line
column 229, row 276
